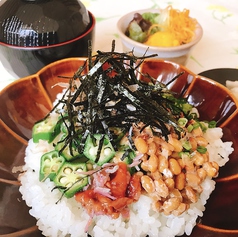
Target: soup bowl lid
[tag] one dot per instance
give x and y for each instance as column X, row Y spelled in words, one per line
column 33, row 23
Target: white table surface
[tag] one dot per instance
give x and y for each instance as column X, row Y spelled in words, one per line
column 218, row 47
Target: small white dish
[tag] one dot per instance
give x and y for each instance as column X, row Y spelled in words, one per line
column 178, row 54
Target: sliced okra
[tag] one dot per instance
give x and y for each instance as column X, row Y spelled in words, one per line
column 98, row 149
column 50, row 165
column 70, row 151
column 71, row 178
column 46, row 129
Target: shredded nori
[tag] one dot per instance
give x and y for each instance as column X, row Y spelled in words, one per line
column 110, row 95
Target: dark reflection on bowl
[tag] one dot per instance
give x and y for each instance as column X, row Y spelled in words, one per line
column 12, row 149
column 223, row 208
column 213, row 104
column 15, row 214
column 230, row 132
column 221, row 75
column 34, row 98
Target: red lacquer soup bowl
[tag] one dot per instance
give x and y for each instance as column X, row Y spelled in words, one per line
column 29, row 99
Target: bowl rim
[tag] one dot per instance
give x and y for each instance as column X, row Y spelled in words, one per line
column 60, row 61
column 88, row 31
column 197, row 38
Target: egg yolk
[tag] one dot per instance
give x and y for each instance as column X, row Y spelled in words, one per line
column 162, row 39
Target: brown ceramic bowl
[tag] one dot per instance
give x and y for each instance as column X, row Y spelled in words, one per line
column 27, row 100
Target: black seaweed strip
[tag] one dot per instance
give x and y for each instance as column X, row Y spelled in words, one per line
column 88, row 105
column 99, row 148
column 175, row 78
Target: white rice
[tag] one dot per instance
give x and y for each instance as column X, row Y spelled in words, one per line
column 67, row 217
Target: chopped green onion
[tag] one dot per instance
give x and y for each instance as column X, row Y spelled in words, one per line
column 187, row 145
column 190, row 128
column 182, row 122
column 203, row 126
column 196, row 125
column 186, row 108
column 212, row 124
column 202, row 149
column 184, row 154
column 193, row 116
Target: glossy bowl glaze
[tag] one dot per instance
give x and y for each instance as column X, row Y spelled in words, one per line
column 34, row 33
column 27, row 100
column 221, row 75
column 178, row 54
